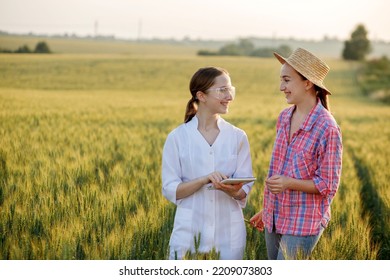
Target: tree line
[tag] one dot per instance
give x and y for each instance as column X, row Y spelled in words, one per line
column 245, row 47
column 40, row 47
column 356, row 48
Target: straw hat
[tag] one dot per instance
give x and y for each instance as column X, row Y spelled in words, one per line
column 308, row 65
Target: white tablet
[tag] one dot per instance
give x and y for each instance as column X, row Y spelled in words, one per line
column 233, row 181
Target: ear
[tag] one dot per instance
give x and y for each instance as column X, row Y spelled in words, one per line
column 308, row 85
column 201, row 96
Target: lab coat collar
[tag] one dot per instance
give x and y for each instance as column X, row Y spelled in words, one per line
column 193, row 123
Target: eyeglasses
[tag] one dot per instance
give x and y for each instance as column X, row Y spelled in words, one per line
column 224, row 92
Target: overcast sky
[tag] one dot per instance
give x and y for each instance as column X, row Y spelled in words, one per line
column 198, row 19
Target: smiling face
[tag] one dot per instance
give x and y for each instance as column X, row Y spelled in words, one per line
column 215, row 102
column 292, row 84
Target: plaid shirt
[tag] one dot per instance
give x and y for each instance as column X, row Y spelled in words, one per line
column 315, row 153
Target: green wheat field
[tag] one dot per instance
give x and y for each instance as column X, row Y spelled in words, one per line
column 81, row 137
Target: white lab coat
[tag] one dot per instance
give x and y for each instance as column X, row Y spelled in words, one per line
column 212, row 213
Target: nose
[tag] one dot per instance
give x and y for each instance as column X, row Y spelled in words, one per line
column 228, row 95
column 282, row 86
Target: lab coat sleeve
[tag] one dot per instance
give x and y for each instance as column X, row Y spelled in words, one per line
column 171, row 170
column 244, row 166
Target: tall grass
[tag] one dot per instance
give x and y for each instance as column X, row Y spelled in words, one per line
column 80, row 155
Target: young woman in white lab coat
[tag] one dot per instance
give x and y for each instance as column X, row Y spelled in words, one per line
column 202, row 151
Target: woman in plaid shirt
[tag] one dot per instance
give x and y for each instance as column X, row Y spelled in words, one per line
column 305, row 167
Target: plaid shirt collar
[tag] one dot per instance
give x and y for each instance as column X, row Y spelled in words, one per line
column 310, row 120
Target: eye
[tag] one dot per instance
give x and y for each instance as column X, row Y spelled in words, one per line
column 225, row 90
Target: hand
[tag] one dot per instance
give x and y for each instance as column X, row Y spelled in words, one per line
column 277, row 183
column 257, row 221
column 215, row 177
column 231, row 190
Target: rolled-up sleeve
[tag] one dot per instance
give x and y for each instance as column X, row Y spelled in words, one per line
column 171, row 171
column 327, row 176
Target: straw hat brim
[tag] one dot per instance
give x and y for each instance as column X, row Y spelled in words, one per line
column 300, row 69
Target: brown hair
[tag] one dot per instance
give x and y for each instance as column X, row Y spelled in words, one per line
column 323, row 96
column 202, row 80
column 320, row 93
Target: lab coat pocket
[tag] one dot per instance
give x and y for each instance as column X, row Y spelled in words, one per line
column 238, row 231
column 182, row 228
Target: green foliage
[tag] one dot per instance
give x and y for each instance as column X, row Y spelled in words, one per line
column 41, row 47
column 374, row 79
column 358, row 46
column 231, row 49
column 246, row 48
column 283, row 50
column 207, row 53
column 80, row 155
column 197, row 255
column 23, row 49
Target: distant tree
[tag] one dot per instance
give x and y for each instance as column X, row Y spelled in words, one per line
column 207, row 53
column 229, row 49
column 358, row 46
column 23, row 49
column 263, row 52
column 284, row 50
column 42, row 47
column 246, row 47
column 5, row 51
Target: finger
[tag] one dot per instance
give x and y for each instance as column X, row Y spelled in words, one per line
column 218, row 186
column 271, row 183
column 215, row 177
column 260, row 229
column 260, row 225
column 255, row 223
column 273, row 177
column 220, row 175
column 254, row 218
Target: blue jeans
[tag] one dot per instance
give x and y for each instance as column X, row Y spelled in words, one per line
column 285, row 246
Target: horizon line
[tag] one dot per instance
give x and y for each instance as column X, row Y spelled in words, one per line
column 183, row 39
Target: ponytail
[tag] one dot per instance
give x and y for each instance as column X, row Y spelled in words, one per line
column 323, row 96
column 191, row 110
